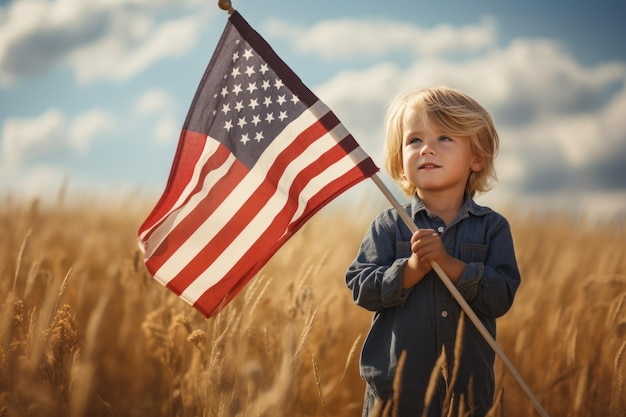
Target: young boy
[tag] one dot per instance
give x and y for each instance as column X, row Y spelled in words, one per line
column 440, row 149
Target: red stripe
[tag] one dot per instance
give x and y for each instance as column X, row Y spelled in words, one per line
column 205, row 208
column 239, row 221
column 188, row 153
column 328, row 193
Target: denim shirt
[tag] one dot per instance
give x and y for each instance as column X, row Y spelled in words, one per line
column 422, row 320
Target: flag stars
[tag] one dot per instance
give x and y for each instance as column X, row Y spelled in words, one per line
column 235, row 72
column 251, row 87
column 248, row 54
column 294, row 99
column 235, row 56
column 281, row 100
column 224, row 92
column 237, row 89
column 264, row 69
column 242, row 122
column 282, row 116
column 226, row 108
column 269, row 117
column 259, row 137
column 239, row 106
column 278, row 83
column 244, row 138
column 253, row 103
column 267, row 101
column 266, row 85
column 228, row 125
column 256, row 119
column 250, row 71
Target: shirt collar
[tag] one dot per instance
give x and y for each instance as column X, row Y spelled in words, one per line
column 469, row 207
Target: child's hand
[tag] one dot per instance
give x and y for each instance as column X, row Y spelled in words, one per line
column 426, row 245
column 423, row 247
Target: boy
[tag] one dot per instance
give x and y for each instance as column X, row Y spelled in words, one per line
column 440, row 149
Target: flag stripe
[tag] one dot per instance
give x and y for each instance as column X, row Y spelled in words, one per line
column 185, row 168
column 217, row 174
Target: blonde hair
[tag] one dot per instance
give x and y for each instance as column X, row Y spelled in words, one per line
column 450, row 110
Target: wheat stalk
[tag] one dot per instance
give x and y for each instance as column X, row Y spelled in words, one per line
column 318, row 384
column 616, row 309
column 20, row 255
column 62, row 288
column 306, row 331
column 351, row 353
column 617, row 395
column 258, row 298
column 433, row 381
column 581, row 389
column 458, row 351
column 397, row 384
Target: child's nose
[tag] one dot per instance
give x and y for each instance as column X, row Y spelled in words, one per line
column 426, row 150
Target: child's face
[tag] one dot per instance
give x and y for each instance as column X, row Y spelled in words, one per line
column 433, row 159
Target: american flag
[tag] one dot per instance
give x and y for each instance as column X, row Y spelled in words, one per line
column 258, row 155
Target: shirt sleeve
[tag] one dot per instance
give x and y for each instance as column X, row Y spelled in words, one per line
column 490, row 286
column 375, row 276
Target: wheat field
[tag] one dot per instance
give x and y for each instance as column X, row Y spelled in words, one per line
column 85, row 331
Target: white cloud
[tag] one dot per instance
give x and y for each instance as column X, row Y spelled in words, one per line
column 159, row 103
column 111, row 40
column 86, row 127
column 153, row 101
column 123, row 54
column 25, row 138
column 352, row 38
column 166, row 131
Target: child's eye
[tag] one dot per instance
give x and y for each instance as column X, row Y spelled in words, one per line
column 414, row 140
column 444, row 139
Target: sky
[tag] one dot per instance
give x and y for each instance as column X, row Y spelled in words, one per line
column 94, row 93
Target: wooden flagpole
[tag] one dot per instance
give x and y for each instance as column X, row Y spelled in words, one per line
column 459, row 299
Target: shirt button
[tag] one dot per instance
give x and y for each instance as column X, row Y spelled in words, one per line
column 444, row 314
column 440, row 229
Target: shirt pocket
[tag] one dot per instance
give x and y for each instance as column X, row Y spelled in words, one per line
column 474, row 253
column 403, row 249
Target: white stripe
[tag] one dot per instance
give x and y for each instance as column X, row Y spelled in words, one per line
column 207, row 231
column 174, row 217
column 208, row 150
column 334, row 171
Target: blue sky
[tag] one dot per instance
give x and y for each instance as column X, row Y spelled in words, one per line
column 93, row 93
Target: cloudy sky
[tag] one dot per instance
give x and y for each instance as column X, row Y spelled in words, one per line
column 93, row 93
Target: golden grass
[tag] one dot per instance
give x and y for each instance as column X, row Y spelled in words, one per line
column 85, row 331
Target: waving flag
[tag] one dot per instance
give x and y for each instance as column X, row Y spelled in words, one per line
column 258, row 155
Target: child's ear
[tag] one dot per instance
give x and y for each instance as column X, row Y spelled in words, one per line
column 478, row 163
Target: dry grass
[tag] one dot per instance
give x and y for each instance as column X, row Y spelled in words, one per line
column 84, row 331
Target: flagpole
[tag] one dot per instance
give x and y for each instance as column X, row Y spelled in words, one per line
column 459, row 298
